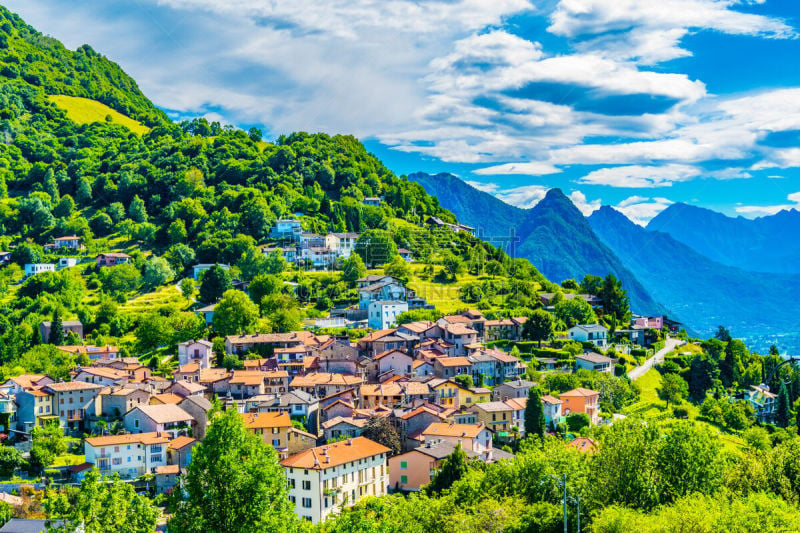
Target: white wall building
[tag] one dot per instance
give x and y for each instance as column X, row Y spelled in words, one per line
column 130, row 455
column 199, row 352
column 322, row 479
column 594, row 333
column 31, row 269
column 383, row 313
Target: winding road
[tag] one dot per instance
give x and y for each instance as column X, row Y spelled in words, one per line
column 670, row 345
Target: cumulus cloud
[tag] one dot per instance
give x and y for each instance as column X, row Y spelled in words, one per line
column 641, row 209
column 525, row 197
column 637, row 176
column 765, row 210
column 584, row 206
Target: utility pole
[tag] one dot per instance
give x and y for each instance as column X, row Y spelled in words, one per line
column 564, row 481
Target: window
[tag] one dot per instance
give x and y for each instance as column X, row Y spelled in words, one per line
column 292, row 499
column 307, row 503
column 156, row 458
column 403, row 465
column 116, row 461
column 306, row 484
column 404, row 479
column 290, row 482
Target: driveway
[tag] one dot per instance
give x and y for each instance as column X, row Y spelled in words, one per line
column 670, row 345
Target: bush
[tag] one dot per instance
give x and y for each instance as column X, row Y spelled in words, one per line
column 619, row 370
column 638, row 352
column 578, row 421
column 549, row 352
column 680, row 412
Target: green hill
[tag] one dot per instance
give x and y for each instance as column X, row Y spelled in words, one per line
column 85, row 111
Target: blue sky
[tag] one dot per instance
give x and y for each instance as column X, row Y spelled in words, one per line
column 630, row 103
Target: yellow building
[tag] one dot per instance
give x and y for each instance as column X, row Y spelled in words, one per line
column 451, row 394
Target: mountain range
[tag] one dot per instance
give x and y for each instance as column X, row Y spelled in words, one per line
column 695, row 281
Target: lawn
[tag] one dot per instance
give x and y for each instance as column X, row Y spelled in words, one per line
column 69, row 459
column 86, row 111
column 152, row 301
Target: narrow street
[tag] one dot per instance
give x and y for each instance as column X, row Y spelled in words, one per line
column 670, row 345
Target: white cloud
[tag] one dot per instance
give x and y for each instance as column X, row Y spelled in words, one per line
column 491, row 188
column 637, row 176
column 584, row 206
column 525, row 169
column 651, row 31
column 641, row 210
column 525, row 197
column 765, row 210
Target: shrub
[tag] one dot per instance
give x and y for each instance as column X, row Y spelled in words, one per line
column 680, row 412
column 639, row 352
column 578, row 421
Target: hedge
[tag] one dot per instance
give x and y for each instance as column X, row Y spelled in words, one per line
column 639, row 352
column 659, row 345
column 550, row 352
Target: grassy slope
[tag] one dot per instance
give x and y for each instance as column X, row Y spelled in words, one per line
column 651, row 407
column 85, row 111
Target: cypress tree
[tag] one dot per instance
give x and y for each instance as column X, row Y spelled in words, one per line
column 56, row 330
column 453, row 468
column 534, row 414
column 782, row 415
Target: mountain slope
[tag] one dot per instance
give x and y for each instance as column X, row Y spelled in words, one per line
column 703, row 292
column 766, row 244
column 553, row 235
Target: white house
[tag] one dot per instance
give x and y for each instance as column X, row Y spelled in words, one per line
column 72, row 242
column 383, row 313
column 66, row 262
column 31, row 269
column 198, row 351
column 386, row 289
column 552, row 410
column 202, row 267
column 396, row 361
column 324, row 479
column 162, row 418
column 594, row 333
column 286, row 229
column 342, row 244
column 594, row 361
column 130, row 455
column 764, row 402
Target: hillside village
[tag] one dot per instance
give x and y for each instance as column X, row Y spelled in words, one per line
column 201, row 330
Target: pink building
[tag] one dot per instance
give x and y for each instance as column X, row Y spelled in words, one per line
column 654, row 322
column 112, row 259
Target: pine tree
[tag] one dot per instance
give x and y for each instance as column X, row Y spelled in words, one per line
column 534, row 414
column 782, row 415
column 56, row 337
column 453, row 468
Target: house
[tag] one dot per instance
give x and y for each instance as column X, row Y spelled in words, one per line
column 439, row 223
column 415, row 468
column 246, row 383
column 17, row 384
column 190, row 388
column 474, row 437
column 581, row 400
column 317, row 257
column 240, row 344
column 31, row 269
column 116, row 401
column 450, row 367
column 34, row 408
column 207, row 313
column 421, row 368
column 424, row 329
column 389, row 289
column 273, row 428
column 496, row 416
column 179, row 450
column 517, row 406
column 386, row 339
column 74, row 326
column 324, row 479
column 448, row 393
column 552, row 410
column 396, row 362
column 5, row 258
column 72, row 242
column 383, row 313
column 286, row 229
column 512, row 389
column 157, row 418
column 198, row 269
column 548, row 298
column 343, row 427
column 371, row 201
column 166, row 478
column 101, row 375
column 764, row 402
column 93, row 352
column 405, row 254
column 584, row 444
column 73, row 401
column 393, row 394
column 198, row 407
column 459, row 335
column 110, row 259
column 129, row 455
column 594, row 333
column 595, row 362
column 198, row 351
column 321, row 384
column 341, row 244
column 66, row 262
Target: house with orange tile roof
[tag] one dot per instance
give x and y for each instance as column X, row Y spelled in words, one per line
column 102, row 375
column 322, row 480
column 116, row 401
column 179, row 450
column 161, row 418
column 450, row 367
column 474, row 437
column 398, row 362
column 459, row 335
column 129, row 455
column 552, row 410
column 321, row 384
column 273, row 428
column 581, row 400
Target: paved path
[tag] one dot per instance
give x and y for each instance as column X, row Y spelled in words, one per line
column 670, row 345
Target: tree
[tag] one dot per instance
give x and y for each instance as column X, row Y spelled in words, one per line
column 137, row 211
column 285, row 320
column 578, row 421
column 10, row 460
column 56, row 337
column 615, row 298
column 689, row 460
column 398, row 268
column 381, row 430
column 453, row 468
column 534, row 414
column 782, row 415
column 234, row 484
column 353, row 268
column 465, row 380
column 264, row 285
column 48, row 443
column 157, row 272
column 83, row 194
column 723, row 334
column 376, row 247
column 234, row 314
column 187, row 287
column 453, row 264
column 673, row 388
column 120, row 279
column 215, row 282
column 177, row 232
column 703, row 371
column 591, row 284
column 539, row 327
column 574, row 311
column 570, row 285
column 154, row 330
column 98, row 506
